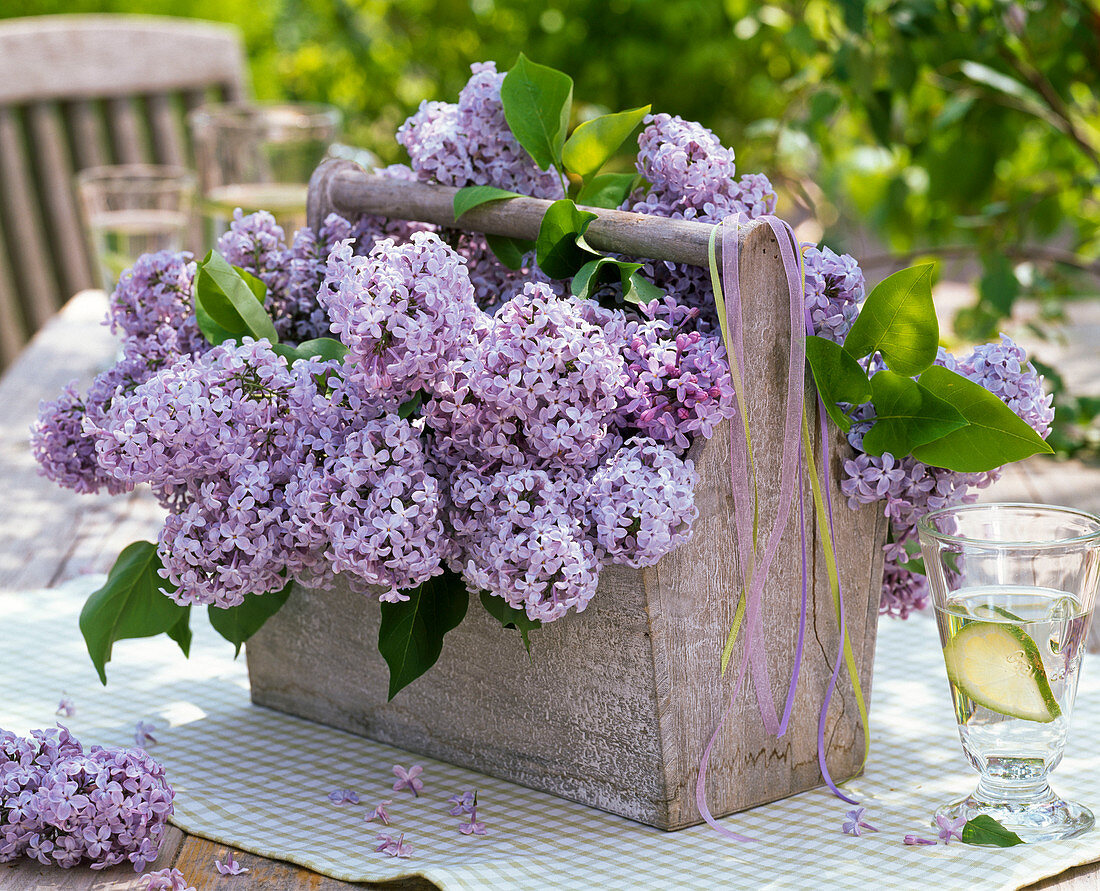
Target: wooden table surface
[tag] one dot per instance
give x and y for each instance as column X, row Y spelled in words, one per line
column 49, row 535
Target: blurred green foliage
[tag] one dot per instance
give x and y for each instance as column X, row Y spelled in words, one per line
column 938, row 127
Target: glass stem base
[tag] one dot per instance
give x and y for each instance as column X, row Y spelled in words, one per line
column 1032, row 811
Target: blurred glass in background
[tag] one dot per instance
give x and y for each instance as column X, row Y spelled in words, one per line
column 134, row 209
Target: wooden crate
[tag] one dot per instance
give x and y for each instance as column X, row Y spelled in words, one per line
column 616, row 704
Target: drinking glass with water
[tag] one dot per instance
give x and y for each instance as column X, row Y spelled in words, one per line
column 1013, row 587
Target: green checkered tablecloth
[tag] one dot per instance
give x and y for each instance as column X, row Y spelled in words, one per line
column 258, row 780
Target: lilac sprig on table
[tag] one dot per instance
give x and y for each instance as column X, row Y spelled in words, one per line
column 63, row 806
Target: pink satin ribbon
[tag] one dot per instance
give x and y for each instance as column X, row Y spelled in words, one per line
column 757, row 566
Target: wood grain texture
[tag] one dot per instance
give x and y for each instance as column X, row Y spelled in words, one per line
column 618, row 703
column 344, row 187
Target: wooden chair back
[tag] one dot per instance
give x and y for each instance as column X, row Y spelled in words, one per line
column 83, row 91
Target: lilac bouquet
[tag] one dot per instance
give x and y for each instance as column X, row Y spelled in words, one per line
column 475, row 428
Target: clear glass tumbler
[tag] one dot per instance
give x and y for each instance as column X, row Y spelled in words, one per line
column 1013, row 586
column 135, row 209
column 259, row 157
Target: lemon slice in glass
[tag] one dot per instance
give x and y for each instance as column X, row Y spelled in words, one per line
column 999, row 666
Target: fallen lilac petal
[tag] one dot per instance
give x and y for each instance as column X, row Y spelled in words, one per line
column 380, row 813
column 167, row 879
column 463, row 803
column 472, row 828
column 950, row 828
column 66, row 707
column 854, row 823
column 914, row 840
column 394, row 847
column 408, row 779
column 231, row 867
column 143, row 734
column 343, row 796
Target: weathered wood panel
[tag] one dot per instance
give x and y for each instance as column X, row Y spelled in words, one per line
column 617, row 705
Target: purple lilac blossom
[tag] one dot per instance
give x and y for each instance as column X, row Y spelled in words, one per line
column 62, row 806
column 949, row 828
column 642, row 503
column 143, row 734
column 917, row 840
column 557, row 374
column 471, row 143
column 522, row 538
column 343, row 796
column 678, row 380
column 66, row 707
column 462, row 804
column 854, row 824
column 691, row 176
column 153, row 305
column 402, row 311
column 834, row 290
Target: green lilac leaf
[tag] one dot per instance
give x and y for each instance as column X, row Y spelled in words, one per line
column 510, row 251
column 326, row 348
column 510, row 617
column 537, row 103
column 907, row 415
column 984, row 830
column 595, row 142
column 839, row 378
column 898, row 320
column 602, row 271
column 639, row 289
column 238, row 623
column 994, row 434
column 410, row 637
column 232, row 299
column 468, row 198
column 608, row 190
column 181, row 632
column 557, row 250
column 130, row 604
column 408, row 407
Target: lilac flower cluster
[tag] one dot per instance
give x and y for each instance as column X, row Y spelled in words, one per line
column 62, row 806
column 402, row 311
column 471, row 144
column 691, row 176
column 909, row 489
column 834, row 290
column 293, row 275
column 527, row 430
column 677, row 378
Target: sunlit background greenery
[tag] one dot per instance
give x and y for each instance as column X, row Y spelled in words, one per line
column 962, row 130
